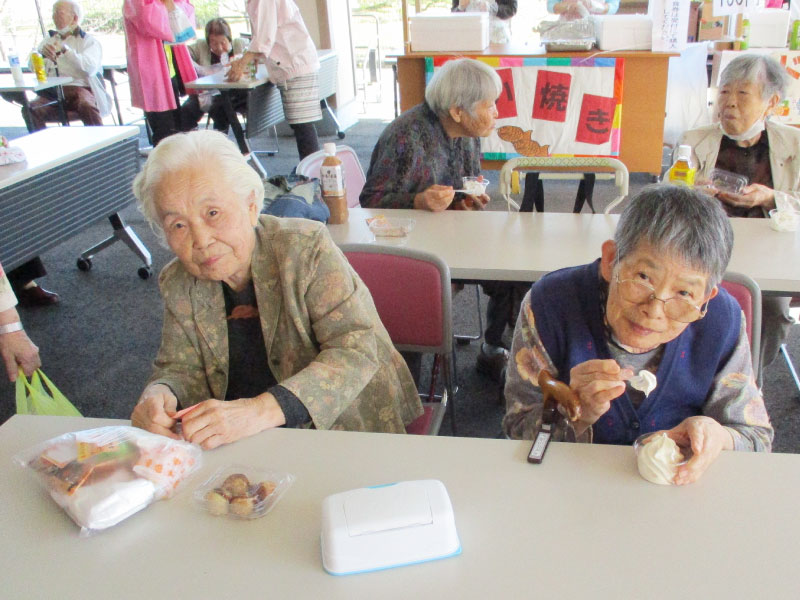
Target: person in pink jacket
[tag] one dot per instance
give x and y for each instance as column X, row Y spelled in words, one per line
column 280, row 39
column 146, row 29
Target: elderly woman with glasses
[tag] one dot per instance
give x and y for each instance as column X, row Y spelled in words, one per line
column 747, row 142
column 651, row 302
column 265, row 322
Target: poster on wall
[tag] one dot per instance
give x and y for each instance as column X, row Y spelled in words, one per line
column 670, row 23
column 553, row 106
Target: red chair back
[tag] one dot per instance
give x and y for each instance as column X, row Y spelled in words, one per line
column 747, row 293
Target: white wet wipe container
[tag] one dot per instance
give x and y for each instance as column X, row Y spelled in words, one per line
column 385, row 526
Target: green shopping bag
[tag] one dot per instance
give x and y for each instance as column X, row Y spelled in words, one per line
column 34, row 399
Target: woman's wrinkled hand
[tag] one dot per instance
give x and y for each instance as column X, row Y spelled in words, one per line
column 214, row 422
column 237, row 70
column 752, row 195
column 596, row 382
column 435, row 199
column 18, row 351
column 152, row 411
column 707, row 438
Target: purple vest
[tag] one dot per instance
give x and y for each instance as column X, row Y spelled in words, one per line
column 566, row 306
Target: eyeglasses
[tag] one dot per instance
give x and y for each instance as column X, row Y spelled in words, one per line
column 676, row 308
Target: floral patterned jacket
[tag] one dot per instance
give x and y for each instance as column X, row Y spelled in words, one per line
column 324, row 340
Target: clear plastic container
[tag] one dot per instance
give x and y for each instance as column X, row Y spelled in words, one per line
column 242, row 492
column 725, row 181
column 784, row 220
column 474, row 186
column 390, row 227
column 656, row 471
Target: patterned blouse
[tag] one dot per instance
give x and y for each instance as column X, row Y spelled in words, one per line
column 734, row 401
column 413, row 153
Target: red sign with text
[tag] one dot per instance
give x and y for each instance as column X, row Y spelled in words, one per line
column 552, row 94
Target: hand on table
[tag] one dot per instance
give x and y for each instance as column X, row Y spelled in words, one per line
column 472, row 202
column 752, row 195
column 18, row 351
column 596, row 382
column 435, row 199
column 237, row 70
column 707, row 438
column 215, row 422
column 152, row 411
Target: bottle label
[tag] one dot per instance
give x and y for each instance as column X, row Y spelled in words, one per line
column 13, row 61
column 332, row 180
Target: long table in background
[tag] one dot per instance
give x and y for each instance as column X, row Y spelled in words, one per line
column 512, row 246
column 583, row 524
column 72, row 178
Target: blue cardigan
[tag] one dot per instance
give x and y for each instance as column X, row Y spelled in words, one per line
column 569, row 320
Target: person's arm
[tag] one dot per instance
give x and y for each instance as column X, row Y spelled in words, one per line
column 150, row 18
column 16, row 348
column 343, row 323
column 736, row 403
column 88, row 61
column 265, row 19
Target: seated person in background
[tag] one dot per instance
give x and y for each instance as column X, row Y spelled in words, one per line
column 16, row 348
column 569, row 10
column 651, row 302
column 265, row 322
column 421, row 158
column 766, row 152
column 210, row 55
column 71, row 52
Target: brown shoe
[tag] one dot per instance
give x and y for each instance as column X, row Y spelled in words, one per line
column 492, row 366
column 37, row 296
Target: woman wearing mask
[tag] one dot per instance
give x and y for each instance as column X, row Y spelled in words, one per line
column 766, row 152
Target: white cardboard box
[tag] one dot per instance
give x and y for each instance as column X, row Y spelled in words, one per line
column 440, row 32
column 769, row 28
column 623, row 32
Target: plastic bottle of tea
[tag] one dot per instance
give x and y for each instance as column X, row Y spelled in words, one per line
column 333, row 190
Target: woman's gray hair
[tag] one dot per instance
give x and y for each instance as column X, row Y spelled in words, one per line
column 680, row 223
column 77, row 10
column 209, row 150
column 759, row 69
column 463, row 83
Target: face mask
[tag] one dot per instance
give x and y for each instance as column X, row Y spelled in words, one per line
column 752, row 132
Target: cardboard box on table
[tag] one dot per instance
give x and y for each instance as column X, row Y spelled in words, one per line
column 443, row 32
column 711, row 27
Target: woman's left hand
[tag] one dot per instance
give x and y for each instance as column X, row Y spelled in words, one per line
column 752, row 195
column 707, row 438
column 215, row 422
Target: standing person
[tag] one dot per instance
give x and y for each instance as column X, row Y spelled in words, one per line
column 147, row 28
column 280, row 38
column 16, row 348
column 209, row 55
column 71, row 52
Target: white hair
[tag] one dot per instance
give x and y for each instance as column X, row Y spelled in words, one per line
column 76, row 8
column 210, row 150
column 463, row 83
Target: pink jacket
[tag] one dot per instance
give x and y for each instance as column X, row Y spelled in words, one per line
column 146, row 28
column 280, row 34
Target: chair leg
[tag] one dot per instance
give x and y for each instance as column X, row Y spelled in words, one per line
column 464, row 339
column 790, row 364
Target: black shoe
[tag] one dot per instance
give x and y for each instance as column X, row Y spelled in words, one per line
column 492, row 366
column 36, row 296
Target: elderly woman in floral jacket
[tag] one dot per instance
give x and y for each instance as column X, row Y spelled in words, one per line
column 265, row 323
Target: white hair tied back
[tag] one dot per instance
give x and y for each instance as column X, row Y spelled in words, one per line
column 202, row 150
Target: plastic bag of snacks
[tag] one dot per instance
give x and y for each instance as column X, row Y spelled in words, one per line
column 102, row 476
column 242, row 492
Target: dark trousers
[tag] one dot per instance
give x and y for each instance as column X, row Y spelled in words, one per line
column 25, row 273
column 162, row 124
column 305, row 134
column 505, row 298
column 77, row 99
